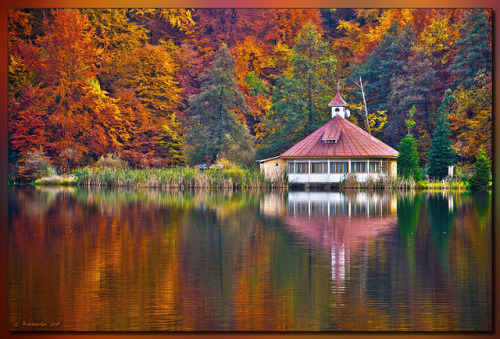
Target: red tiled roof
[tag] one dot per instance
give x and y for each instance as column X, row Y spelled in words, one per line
column 352, row 142
column 337, row 101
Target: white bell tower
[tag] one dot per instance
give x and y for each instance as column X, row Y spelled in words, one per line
column 338, row 105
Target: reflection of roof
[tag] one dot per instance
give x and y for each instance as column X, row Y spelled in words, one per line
column 352, row 141
column 324, row 232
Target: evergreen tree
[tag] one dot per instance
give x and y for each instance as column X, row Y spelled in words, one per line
column 386, row 64
column 473, row 48
column 408, row 156
column 414, row 87
column 301, row 96
column 286, row 121
column 215, row 128
column 441, row 154
column 313, row 68
column 481, row 178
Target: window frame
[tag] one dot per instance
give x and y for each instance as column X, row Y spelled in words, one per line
column 322, row 165
column 302, row 168
column 344, row 165
column 374, row 164
column 360, row 164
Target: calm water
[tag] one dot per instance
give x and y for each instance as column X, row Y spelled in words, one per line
column 154, row 260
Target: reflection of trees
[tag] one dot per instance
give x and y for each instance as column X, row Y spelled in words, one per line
column 92, row 269
column 409, row 206
column 153, row 260
column 473, row 262
column 111, row 259
column 441, row 213
column 214, row 244
column 482, row 203
column 408, row 212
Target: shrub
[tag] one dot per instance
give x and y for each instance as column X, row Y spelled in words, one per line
column 32, row 166
column 350, row 181
column 408, row 159
column 235, row 173
column 69, row 159
column 111, row 161
column 463, row 171
column 480, row 180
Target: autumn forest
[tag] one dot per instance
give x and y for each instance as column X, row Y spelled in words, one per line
column 169, row 87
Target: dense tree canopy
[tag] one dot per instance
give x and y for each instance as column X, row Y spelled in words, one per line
column 146, row 83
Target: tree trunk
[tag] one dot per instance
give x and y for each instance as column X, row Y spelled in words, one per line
column 220, row 132
column 310, row 105
column 364, row 102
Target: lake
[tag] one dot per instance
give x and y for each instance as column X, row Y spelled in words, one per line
column 154, row 260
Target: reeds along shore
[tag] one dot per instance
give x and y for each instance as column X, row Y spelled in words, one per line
column 385, row 182
column 233, row 178
column 180, row 177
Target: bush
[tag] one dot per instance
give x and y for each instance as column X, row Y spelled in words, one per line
column 350, row 181
column 111, row 161
column 480, row 180
column 408, row 159
column 463, row 171
column 235, row 173
column 69, row 159
column 32, row 166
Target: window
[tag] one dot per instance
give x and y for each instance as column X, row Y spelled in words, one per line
column 374, row 167
column 291, row 167
column 358, row 167
column 385, row 166
column 319, row 167
column 338, row 167
column 302, row 167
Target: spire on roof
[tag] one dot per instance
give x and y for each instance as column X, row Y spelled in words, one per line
column 338, row 101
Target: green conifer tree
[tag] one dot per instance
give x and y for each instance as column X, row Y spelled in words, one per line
column 313, row 68
column 408, row 156
column 473, row 48
column 215, row 129
column 385, row 64
column 301, row 95
column 481, row 178
column 441, row 154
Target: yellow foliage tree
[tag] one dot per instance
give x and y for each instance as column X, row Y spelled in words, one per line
column 471, row 117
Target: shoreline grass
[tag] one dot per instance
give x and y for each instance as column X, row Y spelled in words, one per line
column 172, row 178
column 384, row 182
column 217, row 178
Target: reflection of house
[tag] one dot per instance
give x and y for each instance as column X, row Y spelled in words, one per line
column 339, row 225
column 337, row 149
column 272, row 204
column 329, row 204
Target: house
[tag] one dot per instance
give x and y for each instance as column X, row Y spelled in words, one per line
column 336, row 150
column 273, row 168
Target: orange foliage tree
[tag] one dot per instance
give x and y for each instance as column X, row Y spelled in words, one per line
column 66, row 95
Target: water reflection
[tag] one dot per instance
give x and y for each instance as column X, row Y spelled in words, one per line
column 340, row 204
column 396, row 251
column 146, row 260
